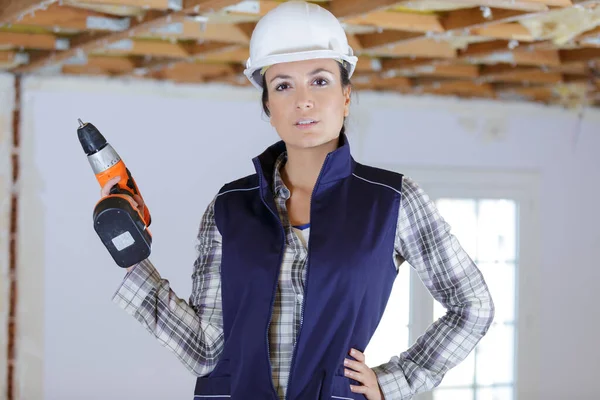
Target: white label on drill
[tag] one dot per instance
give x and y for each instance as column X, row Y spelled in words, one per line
column 123, row 241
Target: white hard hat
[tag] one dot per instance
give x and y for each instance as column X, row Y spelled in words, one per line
column 296, row 31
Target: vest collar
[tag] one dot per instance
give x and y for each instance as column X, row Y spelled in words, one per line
column 339, row 163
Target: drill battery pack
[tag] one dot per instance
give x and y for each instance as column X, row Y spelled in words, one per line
column 121, row 230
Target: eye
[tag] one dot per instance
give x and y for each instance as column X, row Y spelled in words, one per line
column 321, row 81
column 281, row 87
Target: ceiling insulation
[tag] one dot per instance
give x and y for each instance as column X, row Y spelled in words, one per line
column 544, row 51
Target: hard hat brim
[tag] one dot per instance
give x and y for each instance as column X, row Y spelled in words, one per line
column 252, row 71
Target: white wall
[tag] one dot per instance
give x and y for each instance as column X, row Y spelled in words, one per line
column 87, row 348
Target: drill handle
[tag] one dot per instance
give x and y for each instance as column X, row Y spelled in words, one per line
column 130, row 188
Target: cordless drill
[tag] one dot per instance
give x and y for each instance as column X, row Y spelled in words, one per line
column 122, row 228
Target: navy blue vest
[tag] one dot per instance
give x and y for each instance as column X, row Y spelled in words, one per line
column 350, row 273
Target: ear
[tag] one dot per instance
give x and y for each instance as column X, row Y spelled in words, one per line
column 347, row 92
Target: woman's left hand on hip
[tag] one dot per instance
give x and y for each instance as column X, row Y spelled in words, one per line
column 359, row 371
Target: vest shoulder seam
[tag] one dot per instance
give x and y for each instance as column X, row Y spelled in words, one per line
column 377, row 183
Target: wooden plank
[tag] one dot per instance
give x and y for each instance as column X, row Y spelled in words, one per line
column 113, row 64
column 417, row 48
column 451, row 71
column 151, row 4
column 352, row 8
column 520, row 5
column 539, row 57
column 531, row 75
column 231, row 54
column 399, row 21
column 12, row 10
column 458, row 88
column 579, row 55
column 40, row 41
column 264, row 6
column 152, row 20
column 404, row 63
column 154, row 48
column 385, row 38
column 367, row 64
column 195, row 71
column 477, row 49
column 84, row 70
column 354, row 43
column 509, row 31
column 475, row 17
column 58, row 17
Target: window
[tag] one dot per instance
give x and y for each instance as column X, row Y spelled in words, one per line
column 487, row 229
column 490, row 214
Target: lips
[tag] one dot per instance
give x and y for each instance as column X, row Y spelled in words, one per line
column 305, row 122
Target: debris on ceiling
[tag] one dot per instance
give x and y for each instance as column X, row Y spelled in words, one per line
column 544, row 51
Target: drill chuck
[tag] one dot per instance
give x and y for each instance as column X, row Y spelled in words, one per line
column 90, row 138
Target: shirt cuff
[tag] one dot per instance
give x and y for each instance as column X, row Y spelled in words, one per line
column 141, row 280
column 392, row 381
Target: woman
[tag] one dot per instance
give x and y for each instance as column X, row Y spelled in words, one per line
column 276, row 312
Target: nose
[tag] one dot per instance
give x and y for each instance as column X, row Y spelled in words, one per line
column 304, row 100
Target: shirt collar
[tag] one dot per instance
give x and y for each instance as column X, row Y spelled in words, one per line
column 279, row 188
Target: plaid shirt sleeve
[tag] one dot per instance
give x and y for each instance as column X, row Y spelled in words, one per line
column 424, row 240
column 192, row 330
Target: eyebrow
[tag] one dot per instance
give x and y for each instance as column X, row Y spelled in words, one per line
column 315, row 72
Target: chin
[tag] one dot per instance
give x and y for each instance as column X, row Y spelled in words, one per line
column 309, row 139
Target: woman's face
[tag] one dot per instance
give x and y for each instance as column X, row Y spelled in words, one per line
column 307, row 102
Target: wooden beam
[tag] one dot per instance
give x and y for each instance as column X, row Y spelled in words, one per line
column 418, row 48
column 193, row 71
column 399, row 21
column 153, row 48
column 466, row 88
column 149, row 4
column 352, row 8
column 59, row 18
column 519, row 74
column 39, row 41
column 449, row 71
column 475, row 17
column 520, row 5
column 385, row 38
column 230, row 54
column 482, row 48
column 9, row 59
column 509, row 31
column 367, row 64
column 187, row 29
column 12, row 10
column 152, row 20
column 579, row 55
column 404, row 63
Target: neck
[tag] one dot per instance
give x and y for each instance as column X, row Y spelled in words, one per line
column 303, row 166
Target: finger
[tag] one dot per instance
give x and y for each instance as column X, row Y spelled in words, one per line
column 138, row 199
column 357, row 376
column 106, row 188
column 355, row 365
column 359, row 389
column 357, row 355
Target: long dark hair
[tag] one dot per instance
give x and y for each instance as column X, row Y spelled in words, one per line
column 345, row 79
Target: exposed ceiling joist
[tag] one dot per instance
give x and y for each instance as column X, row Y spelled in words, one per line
column 12, row 10
column 354, row 8
column 152, row 20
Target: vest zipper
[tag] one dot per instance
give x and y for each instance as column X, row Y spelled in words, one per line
column 306, row 285
column 260, row 179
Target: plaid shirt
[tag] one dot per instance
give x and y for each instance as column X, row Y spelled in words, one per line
column 194, row 330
